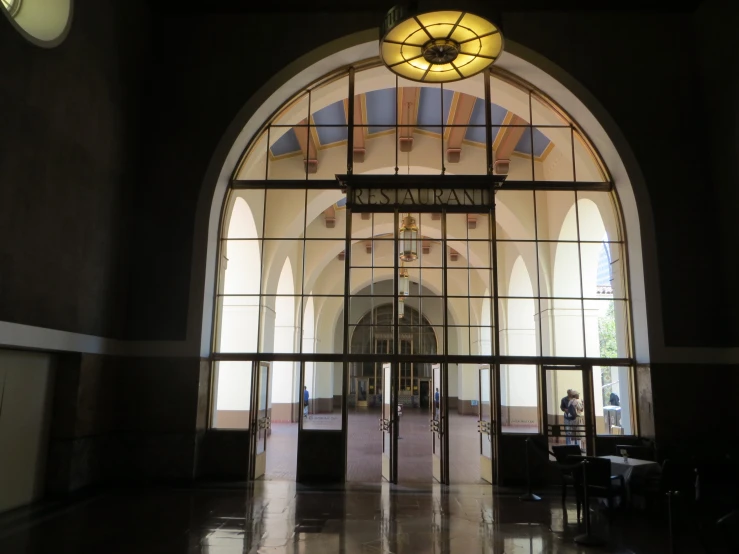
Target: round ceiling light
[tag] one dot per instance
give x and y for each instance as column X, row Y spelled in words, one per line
column 438, row 47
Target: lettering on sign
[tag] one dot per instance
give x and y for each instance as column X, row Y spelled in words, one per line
column 421, row 197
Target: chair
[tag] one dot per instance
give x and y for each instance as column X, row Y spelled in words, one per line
column 561, row 454
column 601, row 483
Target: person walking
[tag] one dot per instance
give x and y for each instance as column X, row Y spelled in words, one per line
column 436, row 404
column 306, row 398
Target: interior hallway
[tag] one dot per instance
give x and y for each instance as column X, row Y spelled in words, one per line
column 364, row 456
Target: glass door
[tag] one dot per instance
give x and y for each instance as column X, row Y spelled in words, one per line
column 389, row 424
column 260, row 418
column 438, row 424
column 566, row 407
column 485, row 425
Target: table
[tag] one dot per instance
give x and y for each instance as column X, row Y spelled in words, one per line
column 632, row 468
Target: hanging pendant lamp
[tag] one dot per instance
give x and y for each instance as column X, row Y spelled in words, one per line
column 401, row 307
column 404, row 282
column 408, row 239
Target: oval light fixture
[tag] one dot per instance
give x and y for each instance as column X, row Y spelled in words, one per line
column 438, row 46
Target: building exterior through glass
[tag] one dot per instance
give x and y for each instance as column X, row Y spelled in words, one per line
column 519, row 266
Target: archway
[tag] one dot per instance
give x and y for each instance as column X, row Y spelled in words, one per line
column 493, row 270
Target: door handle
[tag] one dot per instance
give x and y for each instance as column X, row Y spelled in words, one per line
column 435, row 426
column 484, row 427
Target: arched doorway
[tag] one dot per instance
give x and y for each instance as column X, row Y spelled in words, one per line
column 432, row 136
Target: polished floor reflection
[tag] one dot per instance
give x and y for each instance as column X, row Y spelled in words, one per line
column 277, row 517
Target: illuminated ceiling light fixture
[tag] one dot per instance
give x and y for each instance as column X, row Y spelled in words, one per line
column 401, row 307
column 408, row 239
column 13, row 6
column 438, row 46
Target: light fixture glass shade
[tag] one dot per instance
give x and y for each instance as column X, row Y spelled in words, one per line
column 13, row 6
column 408, row 239
column 404, row 282
column 401, row 307
column 438, row 47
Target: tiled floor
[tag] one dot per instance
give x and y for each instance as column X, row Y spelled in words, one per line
column 278, row 517
column 364, row 454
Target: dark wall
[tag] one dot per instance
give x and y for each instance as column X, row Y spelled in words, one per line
column 69, row 156
column 718, row 47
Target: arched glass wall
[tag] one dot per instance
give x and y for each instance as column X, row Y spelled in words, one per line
column 539, row 280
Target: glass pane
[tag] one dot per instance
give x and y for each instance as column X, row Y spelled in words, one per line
column 456, row 227
column 360, row 280
column 330, row 158
column 597, row 215
column 289, row 148
column 566, row 407
column 240, row 263
column 264, row 404
column 485, row 409
column 279, row 325
column 458, row 282
column 514, row 214
column 232, row 398
column 519, row 398
column 254, row 166
column 606, row 329
column 322, row 403
column 587, row 167
column 559, row 269
column 613, row 406
column 479, row 254
column 324, row 267
column 326, row 213
column 244, row 216
column 431, row 281
column 283, row 267
column 285, row 215
column 517, row 269
column 478, row 226
column 481, row 282
column 459, row 311
column 361, row 225
column 238, row 323
column 459, row 340
column 552, row 152
column 383, row 252
column 561, row 323
column 555, row 215
column 518, row 334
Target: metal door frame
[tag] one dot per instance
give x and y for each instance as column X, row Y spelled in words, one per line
column 254, row 421
column 586, row 371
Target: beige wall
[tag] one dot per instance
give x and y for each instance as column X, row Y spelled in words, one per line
column 26, row 381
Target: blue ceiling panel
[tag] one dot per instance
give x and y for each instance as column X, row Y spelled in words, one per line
column 433, row 109
column 333, row 114
column 540, row 143
column 477, row 134
column 381, row 109
column 497, row 116
column 286, row 144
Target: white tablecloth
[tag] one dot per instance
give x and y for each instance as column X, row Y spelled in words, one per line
column 630, row 468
